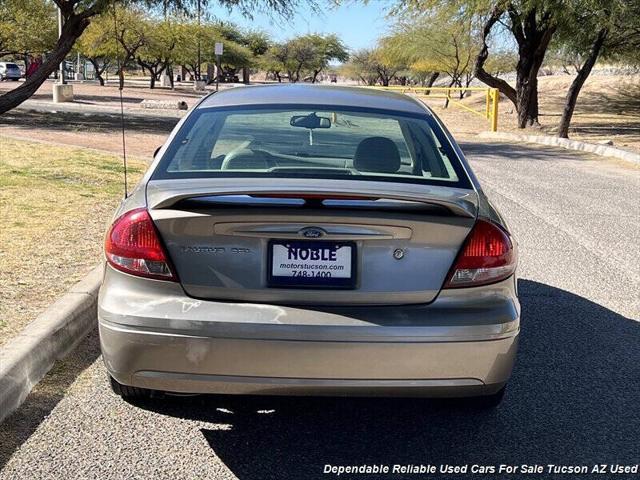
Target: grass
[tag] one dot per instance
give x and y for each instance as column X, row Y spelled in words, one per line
column 55, row 205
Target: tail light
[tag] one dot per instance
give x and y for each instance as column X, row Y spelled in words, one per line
column 488, row 256
column 133, row 246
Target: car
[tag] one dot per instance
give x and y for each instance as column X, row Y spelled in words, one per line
column 309, row 240
column 10, row 71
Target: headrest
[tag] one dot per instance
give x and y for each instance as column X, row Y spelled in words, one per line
column 377, row 154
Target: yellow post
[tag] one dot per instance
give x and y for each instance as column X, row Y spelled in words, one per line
column 488, row 107
column 494, row 110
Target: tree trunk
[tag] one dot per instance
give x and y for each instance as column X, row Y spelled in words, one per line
column 578, row 82
column 533, row 37
column 71, row 31
column 527, row 87
column 432, row 79
column 479, row 71
column 446, row 101
column 169, row 70
column 26, row 64
column 97, row 70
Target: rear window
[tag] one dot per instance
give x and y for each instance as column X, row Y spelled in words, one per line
column 320, row 142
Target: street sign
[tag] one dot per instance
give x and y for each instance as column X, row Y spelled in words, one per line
column 219, row 48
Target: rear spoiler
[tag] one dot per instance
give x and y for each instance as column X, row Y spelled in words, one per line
column 164, row 194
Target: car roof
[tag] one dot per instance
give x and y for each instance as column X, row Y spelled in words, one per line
column 301, row 94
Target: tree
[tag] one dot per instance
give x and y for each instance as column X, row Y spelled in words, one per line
column 326, row 48
column 608, row 28
column 258, row 43
column 98, row 45
column 387, row 62
column 78, row 14
column 236, row 52
column 27, row 27
column 532, row 24
column 371, row 66
column 422, row 73
column 362, row 66
column 304, row 57
column 302, row 54
column 156, row 50
column 442, row 44
column 276, row 60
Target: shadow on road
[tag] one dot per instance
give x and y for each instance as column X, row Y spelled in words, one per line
column 86, row 122
column 498, row 151
column 573, row 399
column 16, row 429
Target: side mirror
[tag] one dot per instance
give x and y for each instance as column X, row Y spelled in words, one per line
column 155, row 154
column 311, row 121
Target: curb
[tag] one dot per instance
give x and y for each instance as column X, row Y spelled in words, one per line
column 27, row 358
column 38, row 106
column 602, row 150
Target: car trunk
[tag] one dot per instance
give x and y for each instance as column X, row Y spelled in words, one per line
column 302, row 241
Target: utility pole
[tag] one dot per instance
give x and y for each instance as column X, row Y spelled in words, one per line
column 62, row 92
column 198, row 70
column 62, row 79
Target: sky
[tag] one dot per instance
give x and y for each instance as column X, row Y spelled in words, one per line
column 358, row 25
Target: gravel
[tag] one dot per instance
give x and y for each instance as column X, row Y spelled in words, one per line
column 573, row 399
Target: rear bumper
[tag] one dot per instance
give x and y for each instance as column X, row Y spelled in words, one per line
column 153, row 336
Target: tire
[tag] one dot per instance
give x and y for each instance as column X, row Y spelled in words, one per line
column 127, row 392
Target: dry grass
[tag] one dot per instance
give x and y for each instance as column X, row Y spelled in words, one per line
column 55, row 204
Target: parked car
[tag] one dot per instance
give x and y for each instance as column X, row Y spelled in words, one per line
column 10, row 71
column 305, row 239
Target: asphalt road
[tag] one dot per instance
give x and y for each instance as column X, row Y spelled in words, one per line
column 573, row 399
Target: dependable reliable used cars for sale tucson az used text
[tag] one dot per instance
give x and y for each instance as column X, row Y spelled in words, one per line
column 300, row 239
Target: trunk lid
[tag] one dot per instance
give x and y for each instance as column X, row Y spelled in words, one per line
column 224, row 237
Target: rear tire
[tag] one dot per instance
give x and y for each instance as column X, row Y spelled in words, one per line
column 127, row 392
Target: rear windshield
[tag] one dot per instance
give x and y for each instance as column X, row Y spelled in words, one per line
column 322, row 142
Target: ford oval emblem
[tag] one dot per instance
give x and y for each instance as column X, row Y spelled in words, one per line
column 312, row 232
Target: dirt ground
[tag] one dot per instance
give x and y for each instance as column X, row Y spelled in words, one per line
column 608, row 108
column 55, row 205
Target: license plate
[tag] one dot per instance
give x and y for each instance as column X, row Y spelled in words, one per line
column 312, row 264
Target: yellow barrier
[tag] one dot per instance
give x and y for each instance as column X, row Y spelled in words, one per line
column 491, row 106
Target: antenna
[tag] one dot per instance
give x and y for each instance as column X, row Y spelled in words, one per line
column 120, row 88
